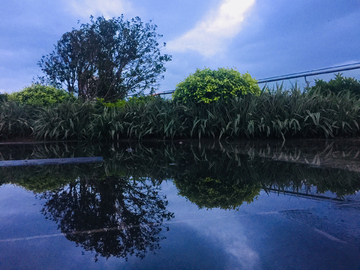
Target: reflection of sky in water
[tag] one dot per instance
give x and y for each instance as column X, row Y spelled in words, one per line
column 273, row 232
column 219, row 225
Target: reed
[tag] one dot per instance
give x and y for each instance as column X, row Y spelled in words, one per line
column 15, row 120
column 66, row 121
column 278, row 113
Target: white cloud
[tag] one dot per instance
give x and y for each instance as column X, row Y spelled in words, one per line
column 106, row 8
column 246, row 257
column 210, row 35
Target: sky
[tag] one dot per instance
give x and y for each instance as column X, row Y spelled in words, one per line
column 262, row 37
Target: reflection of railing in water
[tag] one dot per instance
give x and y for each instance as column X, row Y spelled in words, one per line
column 331, row 155
column 303, row 195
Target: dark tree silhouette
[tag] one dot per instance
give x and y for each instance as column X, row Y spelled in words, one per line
column 107, row 59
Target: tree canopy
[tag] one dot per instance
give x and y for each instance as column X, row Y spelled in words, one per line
column 107, row 59
column 337, row 85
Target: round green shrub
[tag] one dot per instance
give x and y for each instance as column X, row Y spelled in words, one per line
column 206, row 86
column 41, row 95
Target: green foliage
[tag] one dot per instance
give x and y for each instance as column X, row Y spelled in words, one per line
column 120, row 103
column 337, row 85
column 15, row 120
column 3, row 97
column 39, row 179
column 273, row 114
column 41, row 95
column 206, row 86
column 65, row 121
column 213, row 193
column 107, row 59
column 142, row 99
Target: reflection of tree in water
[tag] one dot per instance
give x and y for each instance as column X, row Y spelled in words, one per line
column 112, row 217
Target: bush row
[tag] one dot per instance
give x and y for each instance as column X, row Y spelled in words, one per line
column 278, row 114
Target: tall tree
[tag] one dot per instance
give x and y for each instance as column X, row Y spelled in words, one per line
column 107, row 58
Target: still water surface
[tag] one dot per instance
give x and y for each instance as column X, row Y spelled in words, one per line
column 256, row 205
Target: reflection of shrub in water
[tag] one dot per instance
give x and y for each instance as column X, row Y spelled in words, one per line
column 212, row 193
column 112, row 217
column 40, row 178
column 211, row 179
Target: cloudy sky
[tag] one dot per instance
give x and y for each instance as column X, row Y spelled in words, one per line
column 266, row 38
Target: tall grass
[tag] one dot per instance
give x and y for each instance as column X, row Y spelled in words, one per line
column 274, row 114
column 66, row 121
column 15, row 120
column 156, row 118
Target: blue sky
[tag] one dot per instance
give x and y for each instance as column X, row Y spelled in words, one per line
column 262, row 37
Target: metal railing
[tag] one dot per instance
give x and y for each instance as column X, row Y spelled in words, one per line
column 311, row 73
column 295, row 75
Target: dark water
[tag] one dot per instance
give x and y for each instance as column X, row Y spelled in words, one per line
column 183, row 205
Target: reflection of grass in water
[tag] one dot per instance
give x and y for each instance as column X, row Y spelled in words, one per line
column 209, row 177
